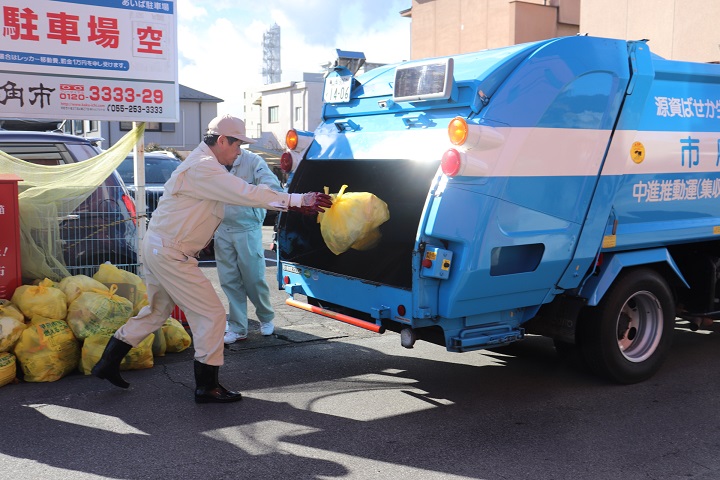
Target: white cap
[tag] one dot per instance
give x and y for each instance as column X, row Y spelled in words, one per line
column 230, row 127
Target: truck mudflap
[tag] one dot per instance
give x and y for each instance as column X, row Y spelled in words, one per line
column 336, row 316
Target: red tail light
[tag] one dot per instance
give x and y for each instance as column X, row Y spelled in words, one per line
column 599, row 261
column 451, row 162
column 130, row 205
column 286, row 162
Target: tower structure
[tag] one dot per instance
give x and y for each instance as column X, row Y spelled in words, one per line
column 271, row 55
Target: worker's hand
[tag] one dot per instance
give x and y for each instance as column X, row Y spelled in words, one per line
column 314, row 202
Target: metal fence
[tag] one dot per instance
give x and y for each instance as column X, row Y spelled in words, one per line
column 103, row 229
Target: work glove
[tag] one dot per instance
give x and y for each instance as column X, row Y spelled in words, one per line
column 313, row 203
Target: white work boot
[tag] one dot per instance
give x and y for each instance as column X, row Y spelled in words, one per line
column 267, row 328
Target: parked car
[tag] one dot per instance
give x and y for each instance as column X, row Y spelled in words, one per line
column 158, row 168
column 103, row 227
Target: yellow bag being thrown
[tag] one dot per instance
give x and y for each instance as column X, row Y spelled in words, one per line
column 353, row 221
column 98, row 312
column 47, row 350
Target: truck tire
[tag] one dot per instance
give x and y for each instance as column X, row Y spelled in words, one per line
column 626, row 337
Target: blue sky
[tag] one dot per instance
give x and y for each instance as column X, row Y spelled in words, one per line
column 220, row 41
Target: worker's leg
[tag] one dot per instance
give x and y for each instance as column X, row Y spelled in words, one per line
column 227, row 259
column 252, row 271
column 160, row 304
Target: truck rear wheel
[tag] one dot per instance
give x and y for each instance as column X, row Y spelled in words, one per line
column 627, row 336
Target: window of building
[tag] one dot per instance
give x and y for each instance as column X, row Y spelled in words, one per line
column 298, row 114
column 273, row 114
column 149, row 127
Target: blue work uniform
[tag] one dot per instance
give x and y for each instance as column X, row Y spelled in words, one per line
column 239, row 253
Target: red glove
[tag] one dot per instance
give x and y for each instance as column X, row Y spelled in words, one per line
column 313, row 203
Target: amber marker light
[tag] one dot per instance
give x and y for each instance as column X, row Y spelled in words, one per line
column 458, row 131
column 291, row 139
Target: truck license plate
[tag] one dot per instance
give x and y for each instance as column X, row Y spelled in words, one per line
column 337, row 89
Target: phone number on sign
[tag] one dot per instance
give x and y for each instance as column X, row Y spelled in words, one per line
column 128, row 95
column 135, row 108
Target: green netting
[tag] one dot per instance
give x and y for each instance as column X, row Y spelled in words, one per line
column 48, row 189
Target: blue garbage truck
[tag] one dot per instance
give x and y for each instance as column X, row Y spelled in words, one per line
column 567, row 188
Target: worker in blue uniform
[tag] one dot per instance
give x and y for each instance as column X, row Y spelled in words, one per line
column 240, row 255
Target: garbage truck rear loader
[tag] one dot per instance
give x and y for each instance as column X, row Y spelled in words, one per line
column 567, row 187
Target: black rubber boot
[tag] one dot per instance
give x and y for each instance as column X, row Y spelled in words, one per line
column 208, row 389
column 108, row 368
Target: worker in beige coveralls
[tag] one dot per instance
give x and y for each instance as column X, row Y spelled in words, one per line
column 183, row 223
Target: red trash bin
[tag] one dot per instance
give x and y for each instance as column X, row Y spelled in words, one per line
column 10, row 267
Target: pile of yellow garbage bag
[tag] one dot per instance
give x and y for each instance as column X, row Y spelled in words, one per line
column 51, row 329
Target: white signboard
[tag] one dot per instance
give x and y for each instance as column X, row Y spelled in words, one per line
column 89, row 59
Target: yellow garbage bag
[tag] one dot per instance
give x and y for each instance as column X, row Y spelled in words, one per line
column 8, row 368
column 47, row 350
column 7, row 309
column 137, row 358
column 177, row 338
column 10, row 331
column 44, row 300
column 353, row 221
column 129, row 285
column 73, row 286
column 98, row 312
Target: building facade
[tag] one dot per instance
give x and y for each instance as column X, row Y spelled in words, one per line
column 274, row 109
column 448, row 27
column 675, row 29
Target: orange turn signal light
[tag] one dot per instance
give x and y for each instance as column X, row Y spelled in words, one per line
column 458, row 131
column 291, row 139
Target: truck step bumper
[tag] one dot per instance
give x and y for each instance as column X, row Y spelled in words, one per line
column 478, row 339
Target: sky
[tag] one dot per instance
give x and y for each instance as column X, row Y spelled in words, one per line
column 220, row 41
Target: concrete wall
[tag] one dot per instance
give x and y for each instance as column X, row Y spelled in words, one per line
column 676, row 29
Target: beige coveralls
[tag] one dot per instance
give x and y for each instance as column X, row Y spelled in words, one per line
column 189, row 212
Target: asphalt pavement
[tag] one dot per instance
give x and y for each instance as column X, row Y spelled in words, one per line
column 325, row 400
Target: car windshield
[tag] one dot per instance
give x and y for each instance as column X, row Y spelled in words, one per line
column 157, row 169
